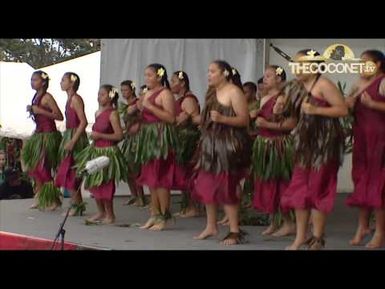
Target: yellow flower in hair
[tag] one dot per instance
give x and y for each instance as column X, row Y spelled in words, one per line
column 73, row 78
column 180, row 75
column 226, row 72
column 44, row 75
column 160, row 72
column 113, row 92
column 133, row 85
column 279, row 70
column 234, row 71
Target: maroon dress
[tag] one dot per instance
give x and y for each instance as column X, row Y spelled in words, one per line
column 368, row 170
column 42, row 171
column 223, row 158
column 318, row 155
column 267, row 193
column 158, row 172
column 66, row 174
column 102, row 124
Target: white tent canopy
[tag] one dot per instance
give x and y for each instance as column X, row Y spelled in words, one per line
column 16, row 92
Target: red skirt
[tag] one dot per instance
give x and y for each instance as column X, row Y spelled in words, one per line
column 42, row 172
column 163, row 173
column 368, row 172
column 268, row 194
column 312, row 188
column 210, row 188
column 104, row 192
column 66, row 176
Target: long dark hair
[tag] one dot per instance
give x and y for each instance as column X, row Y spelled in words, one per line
column 183, row 77
column 131, row 85
column 236, row 78
column 114, row 99
column 164, row 79
column 76, row 82
column 44, row 76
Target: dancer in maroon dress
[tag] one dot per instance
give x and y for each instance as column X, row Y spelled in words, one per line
column 319, row 148
column 106, row 133
column 157, row 146
column 368, row 101
column 271, row 160
column 131, row 116
column 74, row 141
column 186, row 108
column 223, row 152
column 40, row 153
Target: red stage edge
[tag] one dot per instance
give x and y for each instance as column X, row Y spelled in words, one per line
column 11, row 241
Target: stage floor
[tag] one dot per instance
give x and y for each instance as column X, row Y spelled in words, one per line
column 15, row 217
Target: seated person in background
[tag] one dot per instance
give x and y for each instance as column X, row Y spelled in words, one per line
column 2, row 166
column 14, row 187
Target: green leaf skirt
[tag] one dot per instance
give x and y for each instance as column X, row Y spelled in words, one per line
column 40, row 144
column 272, row 158
column 116, row 170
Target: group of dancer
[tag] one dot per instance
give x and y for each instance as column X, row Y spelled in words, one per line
column 288, row 142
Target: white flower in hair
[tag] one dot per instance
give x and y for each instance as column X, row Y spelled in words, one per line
column 145, row 90
column 234, row 71
column 113, row 92
column 73, row 78
column 160, row 72
column 44, row 75
column 279, row 70
column 226, row 72
column 133, row 85
column 180, row 75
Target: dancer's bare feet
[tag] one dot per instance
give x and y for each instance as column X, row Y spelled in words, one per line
column 150, row 222
column 232, row 239
column 296, row 244
column 361, row 233
column 53, row 207
column 108, row 220
column 34, row 206
column 378, row 241
column 190, row 213
column 158, row 226
column 96, row 218
column 270, row 230
column 285, row 230
column 224, row 221
column 206, row 233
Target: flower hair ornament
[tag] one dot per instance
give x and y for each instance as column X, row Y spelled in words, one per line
column 180, row 75
column 133, row 85
column 160, row 72
column 113, row 92
column 226, row 73
column 234, row 71
column 73, row 78
column 145, row 90
column 44, row 75
column 278, row 70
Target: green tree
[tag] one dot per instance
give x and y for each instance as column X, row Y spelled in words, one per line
column 40, row 52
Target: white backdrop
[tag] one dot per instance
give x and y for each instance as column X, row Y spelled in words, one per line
column 127, row 58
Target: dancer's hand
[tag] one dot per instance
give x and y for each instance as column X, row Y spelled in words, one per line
column 261, row 122
column 367, row 100
column 216, row 116
column 131, row 109
column 95, row 135
column 308, row 108
column 183, row 116
column 34, row 109
column 69, row 146
column 254, row 113
column 350, row 101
